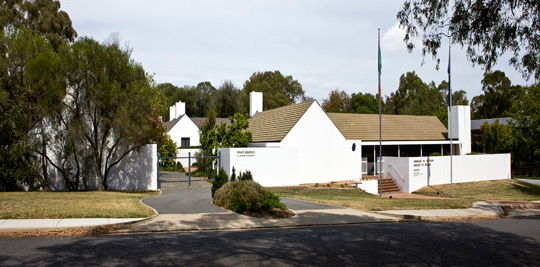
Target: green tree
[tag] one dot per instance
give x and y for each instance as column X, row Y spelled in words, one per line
column 527, row 125
column 413, row 97
column 496, row 138
column 278, row 90
column 497, row 96
column 337, row 101
column 111, row 104
column 208, row 140
column 488, row 29
column 40, row 17
column 167, row 148
column 226, row 100
column 32, row 85
column 236, row 134
column 364, row 103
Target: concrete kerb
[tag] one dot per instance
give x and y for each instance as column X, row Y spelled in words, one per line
column 78, row 226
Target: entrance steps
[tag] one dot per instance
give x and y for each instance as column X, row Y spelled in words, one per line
column 387, row 185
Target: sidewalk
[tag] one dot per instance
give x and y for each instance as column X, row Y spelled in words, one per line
column 41, row 225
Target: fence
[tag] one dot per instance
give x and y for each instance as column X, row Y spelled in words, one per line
column 529, row 169
column 189, row 157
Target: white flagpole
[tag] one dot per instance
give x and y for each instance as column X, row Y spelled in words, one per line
column 380, row 120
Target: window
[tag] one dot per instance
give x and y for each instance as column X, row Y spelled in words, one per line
column 184, row 142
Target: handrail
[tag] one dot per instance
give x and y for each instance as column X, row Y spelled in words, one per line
column 398, row 174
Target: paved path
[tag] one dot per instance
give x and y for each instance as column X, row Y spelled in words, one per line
column 190, row 209
column 530, row 181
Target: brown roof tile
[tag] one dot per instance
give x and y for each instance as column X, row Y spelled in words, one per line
column 365, row 127
column 273, row 125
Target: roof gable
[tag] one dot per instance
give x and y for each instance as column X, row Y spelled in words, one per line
column 365, row 127
column 170, row 124
column 273, row 125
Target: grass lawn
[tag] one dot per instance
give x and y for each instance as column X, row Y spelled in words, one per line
column 464, row 195
column 87, row 204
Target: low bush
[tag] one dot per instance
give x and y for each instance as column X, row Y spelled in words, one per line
column 246, row 196
column 218, row 180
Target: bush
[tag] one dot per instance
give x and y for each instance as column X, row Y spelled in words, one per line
column 219, row 180
column 233, row 175
column 246, row 196
column 245, row 176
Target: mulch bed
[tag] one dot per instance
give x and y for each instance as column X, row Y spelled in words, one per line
column 273, row 214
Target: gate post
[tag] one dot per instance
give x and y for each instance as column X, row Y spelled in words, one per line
column 157, row 169
column 219, row 160
column 189, row 167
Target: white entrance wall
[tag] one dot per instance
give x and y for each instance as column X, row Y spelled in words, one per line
column 412, row 174
column 314, row 151
column 461, row 127
column 137, row 171
column 187, row 129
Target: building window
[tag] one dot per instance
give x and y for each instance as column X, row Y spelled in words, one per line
column 184, row 142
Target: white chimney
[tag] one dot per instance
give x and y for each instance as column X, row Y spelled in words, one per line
column 461, row 127
column 180, row 109
column 255, row 103
column 177, row 110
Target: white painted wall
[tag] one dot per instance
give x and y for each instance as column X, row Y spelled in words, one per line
column 423, row 171
column 324, row 154
column 370, row 186
column 270, row 166
column 461, row 127
column 177, row 110
column 137, row 171
column 185, row 128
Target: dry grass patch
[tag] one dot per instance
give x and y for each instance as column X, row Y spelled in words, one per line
column 464, row 195
column 87, row 204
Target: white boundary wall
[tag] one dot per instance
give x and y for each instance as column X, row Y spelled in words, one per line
column 412, row 174
column 137, row 171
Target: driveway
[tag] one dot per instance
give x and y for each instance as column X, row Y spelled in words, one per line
column 189, row 209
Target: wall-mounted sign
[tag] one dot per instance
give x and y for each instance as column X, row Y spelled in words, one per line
column 245, row 153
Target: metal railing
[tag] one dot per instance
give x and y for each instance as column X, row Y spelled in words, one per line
column 390, row 167
column 189, row 157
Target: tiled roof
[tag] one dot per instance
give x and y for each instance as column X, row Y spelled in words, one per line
column 365, row 127
column 273, row 125
column 199, row 121
column 170, row 124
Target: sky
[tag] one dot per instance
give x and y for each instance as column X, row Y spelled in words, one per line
column 324, row 44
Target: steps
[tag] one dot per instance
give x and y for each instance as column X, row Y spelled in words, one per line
column 388, row 186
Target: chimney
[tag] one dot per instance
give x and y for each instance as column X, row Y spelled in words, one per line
column 177, row 110
column 461, row 127
column 255, row 103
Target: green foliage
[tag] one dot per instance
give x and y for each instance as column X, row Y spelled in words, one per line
column 278, row 90
column 233, row 174
column 246, row 196
column 219, row 180
column 246, row 176
column 337, row 102
column 414, row 97
column 497, row 97
column 526, row 124
column 167, row 148
column 496, row 138
column 208, row 140
column 32, row 86
column 364, row 103
column 442, row 114
column 435, row 154
column 487, row 28
column 198, row 98
column 226, row 100
column 41, row 17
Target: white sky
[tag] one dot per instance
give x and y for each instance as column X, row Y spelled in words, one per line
column 323, row 44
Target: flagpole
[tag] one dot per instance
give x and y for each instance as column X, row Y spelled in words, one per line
column 380, row 120
column 450, row 121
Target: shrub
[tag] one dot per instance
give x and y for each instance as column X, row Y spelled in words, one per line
column 245, row 176
column 219, row 180
column 246, row 196
column 233, row 175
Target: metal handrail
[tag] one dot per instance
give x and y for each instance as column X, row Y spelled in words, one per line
column 397, row 172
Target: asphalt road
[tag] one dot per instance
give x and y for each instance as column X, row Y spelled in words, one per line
column 503, row 242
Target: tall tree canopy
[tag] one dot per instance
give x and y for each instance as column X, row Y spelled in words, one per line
column 40, row 17
column 414, row 97
column 226, row 100
column 364, row 103
column 488, row 28
column 527, row 125
column 337, row 101
column 278, row 90
column 497, row 97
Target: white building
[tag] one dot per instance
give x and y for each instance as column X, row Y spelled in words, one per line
column 300, row 143
column 181, row 128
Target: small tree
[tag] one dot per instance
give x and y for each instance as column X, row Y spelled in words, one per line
column 219, row 180
column 496, row 138
column 167, row 148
